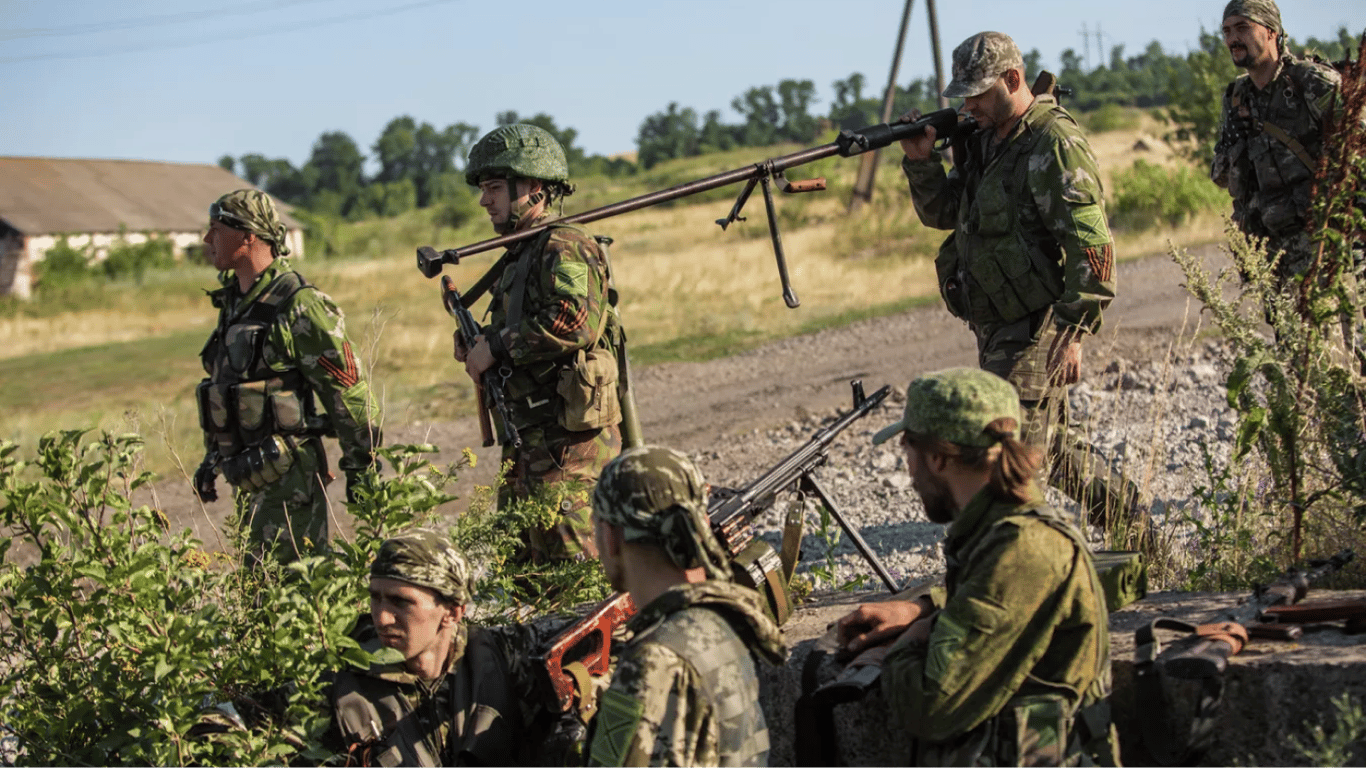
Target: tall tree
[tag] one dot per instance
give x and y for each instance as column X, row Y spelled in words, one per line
column 228, row 164
column 336, row 165
column 667, row 135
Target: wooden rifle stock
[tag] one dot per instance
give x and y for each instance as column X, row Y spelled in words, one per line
column 585, row 646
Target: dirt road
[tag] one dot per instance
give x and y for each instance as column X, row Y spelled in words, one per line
column 707, row 406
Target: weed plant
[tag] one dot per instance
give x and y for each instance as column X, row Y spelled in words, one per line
column 1149, row 195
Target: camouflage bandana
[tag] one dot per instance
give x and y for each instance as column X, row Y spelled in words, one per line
column 979, row 60
column 955, row 405
column 424, row 558
column 251, row 211
column 657, row 497
column 1263, row 12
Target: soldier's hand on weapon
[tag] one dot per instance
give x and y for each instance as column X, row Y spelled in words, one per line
column 918, row 147
column 461, row 352
column 479, row 359
column 875, row 623
column 1064, row 357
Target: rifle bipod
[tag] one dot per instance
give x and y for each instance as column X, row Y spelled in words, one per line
column 766, row 175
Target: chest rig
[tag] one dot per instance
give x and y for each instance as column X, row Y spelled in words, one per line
column 243, row 401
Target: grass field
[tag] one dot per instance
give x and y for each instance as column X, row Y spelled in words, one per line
column 121, row 356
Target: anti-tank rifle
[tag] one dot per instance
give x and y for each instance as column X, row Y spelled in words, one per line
column 947, row 123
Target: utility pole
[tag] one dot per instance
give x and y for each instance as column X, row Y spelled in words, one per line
column 867, row 170
column 938, row 60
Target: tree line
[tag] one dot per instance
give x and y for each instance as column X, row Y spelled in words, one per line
column 421, row 165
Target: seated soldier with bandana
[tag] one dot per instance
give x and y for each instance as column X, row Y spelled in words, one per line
column 685, row 691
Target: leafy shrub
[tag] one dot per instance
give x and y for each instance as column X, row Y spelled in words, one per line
column 119, row 631
column 1148, row 195
column 63, row 265
column 1110, row 117
column 133, row 260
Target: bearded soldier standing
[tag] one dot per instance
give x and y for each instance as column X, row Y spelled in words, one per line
column 279, row 352
column 1271, row 135
column 552, row 338
column 685, row 691
column 1030, row 264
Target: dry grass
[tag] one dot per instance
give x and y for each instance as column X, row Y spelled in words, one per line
column 689, row 290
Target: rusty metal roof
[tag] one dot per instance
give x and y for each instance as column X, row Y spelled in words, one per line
column 45, row 195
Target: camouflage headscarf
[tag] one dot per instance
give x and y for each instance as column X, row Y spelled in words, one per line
column 1263, row 12
column 252, row 211
column 979, row 60
column 427, row 559
column 658, row 497
column 956, row 405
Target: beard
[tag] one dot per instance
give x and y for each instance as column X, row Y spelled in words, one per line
column 935, row 493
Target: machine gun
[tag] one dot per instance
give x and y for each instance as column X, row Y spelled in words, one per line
column 584, row 648
column 491, row 380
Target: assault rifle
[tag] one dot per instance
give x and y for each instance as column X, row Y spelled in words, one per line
column 492, row 379
column 587, row 643
column 947, row 123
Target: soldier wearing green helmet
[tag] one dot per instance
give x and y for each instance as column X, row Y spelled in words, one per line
column 1030, row 262
column 686, row 689
column 1012, row 666
column 1271, row 134
column 281, row 375
column 552, row 336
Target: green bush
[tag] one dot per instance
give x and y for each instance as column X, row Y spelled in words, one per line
column 1110, row 117
column 133, row 260
column 120, row 631
column 62, row 266
column 1148, row 195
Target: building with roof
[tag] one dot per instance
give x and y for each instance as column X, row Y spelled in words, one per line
column 96, row 203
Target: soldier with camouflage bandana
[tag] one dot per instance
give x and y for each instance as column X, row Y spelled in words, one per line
column 1014, row 667
column 1030, row 264
column 551, row 333
column 1271, row 134
column 279, row 351
column 685, row 691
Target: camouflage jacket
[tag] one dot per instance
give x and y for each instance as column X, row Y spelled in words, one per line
column 306, row 340
column 685, row 691
column 1269, row 144
column 564, row 310
column 1029, row 223
column 475, row 714
column 1019, row 652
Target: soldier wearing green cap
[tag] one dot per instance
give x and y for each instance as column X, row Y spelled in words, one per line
column 1030, row 263
column 685, row 691
column 1271, row 134
column 1013, row 668
column 552, row 335
column 444, row 693
column 281, row 375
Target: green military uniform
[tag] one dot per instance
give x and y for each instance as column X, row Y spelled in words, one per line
column 686, row 691
column 281, row 374
column 554, row 337
column 1031, row 254
column 1016, row 670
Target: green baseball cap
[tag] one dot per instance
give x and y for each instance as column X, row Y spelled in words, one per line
column 979, row 60
column 424, row 558
column 956, row 405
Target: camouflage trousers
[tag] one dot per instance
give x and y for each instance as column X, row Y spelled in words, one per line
column 289, row 517
column 1018, row 353
column 553, row 456
column 1030, row 730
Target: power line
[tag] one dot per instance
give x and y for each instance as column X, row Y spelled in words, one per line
column 142, row 22
column 236, row 36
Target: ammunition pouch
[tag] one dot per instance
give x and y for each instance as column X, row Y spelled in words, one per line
column 759, row 567
column 244, row 413
column 259, row 465
column 588, row 389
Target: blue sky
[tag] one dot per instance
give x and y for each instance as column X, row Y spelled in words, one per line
column 192, row 80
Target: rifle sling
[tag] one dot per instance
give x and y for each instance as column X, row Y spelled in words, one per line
column 588, row 699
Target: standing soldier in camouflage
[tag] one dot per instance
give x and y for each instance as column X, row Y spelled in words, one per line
column 1271, row 135
column 685, row 691
column 552, row 338
column 279, row 352
column 1013, row 668
column 1030, row 264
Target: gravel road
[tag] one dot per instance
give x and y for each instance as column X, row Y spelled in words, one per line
column 1151, row 400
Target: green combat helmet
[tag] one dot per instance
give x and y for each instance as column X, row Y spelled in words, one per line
column 517, row 151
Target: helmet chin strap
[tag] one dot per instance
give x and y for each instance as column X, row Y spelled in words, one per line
column 519, row 214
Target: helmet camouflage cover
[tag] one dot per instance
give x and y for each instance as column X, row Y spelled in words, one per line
column 424, row 558
column 520, row 151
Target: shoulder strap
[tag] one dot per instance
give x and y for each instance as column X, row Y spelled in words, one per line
column 267, row 306
column 517, row 291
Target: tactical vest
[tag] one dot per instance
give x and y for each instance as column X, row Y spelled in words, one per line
column 1086, row 723
column 1274, row 150
column 243, row 401
column 1011, row 273
column 394, row 723
column 727, row 675
column 580, row 393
